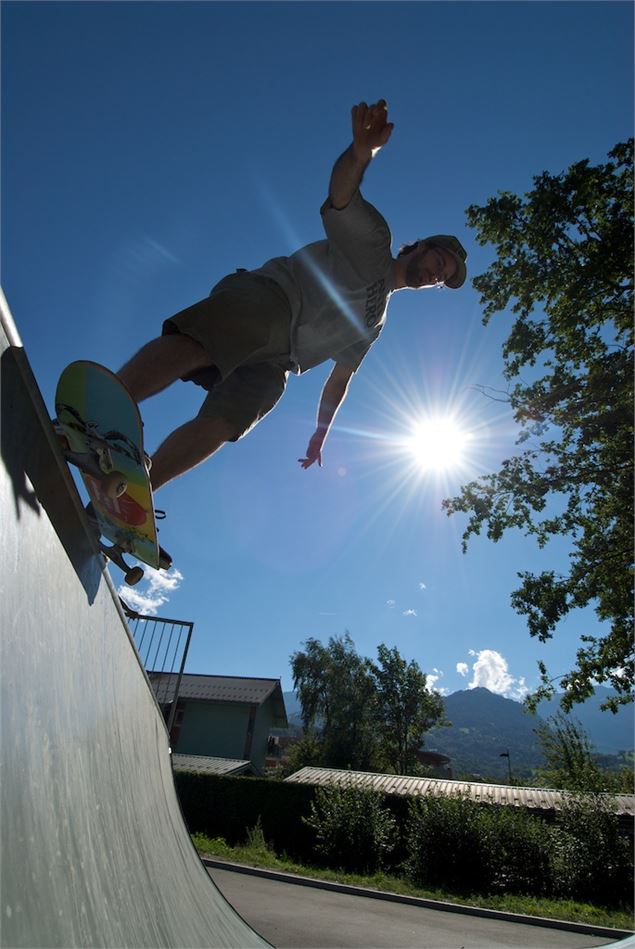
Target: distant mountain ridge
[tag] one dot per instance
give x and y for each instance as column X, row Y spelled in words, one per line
column 486, row 725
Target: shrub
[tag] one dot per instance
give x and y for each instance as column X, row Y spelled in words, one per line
column 464, row 846
column 590, row 859
column 353, row 830
column 520, row 860
column 448, row 845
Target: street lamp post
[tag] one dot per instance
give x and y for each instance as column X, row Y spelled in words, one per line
column 505, row 754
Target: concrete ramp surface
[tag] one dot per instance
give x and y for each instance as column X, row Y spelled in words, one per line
column 94, row 848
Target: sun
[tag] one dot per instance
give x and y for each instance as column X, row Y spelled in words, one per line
column 438, row 444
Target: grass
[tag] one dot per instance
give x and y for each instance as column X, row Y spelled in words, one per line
column 257, row 853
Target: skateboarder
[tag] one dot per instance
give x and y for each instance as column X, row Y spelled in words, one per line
column 326, row 301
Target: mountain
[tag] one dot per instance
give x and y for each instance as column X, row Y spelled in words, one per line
column 607, row 732
column 484, row 725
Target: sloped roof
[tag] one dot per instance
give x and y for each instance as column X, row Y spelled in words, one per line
column 206, row 765
column 241, row 690
column 536, row 798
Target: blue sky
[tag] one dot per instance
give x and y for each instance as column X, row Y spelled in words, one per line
column 150, row 148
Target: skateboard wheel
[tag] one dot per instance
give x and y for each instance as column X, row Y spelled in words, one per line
column 114, row 484
column 133, row 576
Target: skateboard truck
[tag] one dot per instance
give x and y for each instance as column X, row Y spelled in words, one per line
column 113, row 483
column 131, row 575
column 115, row 552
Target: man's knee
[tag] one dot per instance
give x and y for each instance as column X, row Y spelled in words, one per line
column 218, row 429
column 191, row 354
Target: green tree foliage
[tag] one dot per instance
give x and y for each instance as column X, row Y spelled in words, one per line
column 564, row 265
column 304, row 753
column 359, row 714
column 353, row 829
column 591, row 860
column 455, row 843
column 465, row 846
column 404, row 709
column 571, row 762
column 336, row 693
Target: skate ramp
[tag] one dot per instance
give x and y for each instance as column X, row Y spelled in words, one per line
column 94, row 848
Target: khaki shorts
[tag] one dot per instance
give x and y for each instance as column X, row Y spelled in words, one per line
column 244, row 326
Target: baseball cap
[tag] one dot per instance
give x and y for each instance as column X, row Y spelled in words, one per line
column 456, row 249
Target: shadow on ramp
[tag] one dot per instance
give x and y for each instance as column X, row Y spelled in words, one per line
column 94, row 848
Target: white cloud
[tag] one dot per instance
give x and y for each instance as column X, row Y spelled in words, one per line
column 422, row 586
column 431, row 681
column 491, row 671
column 159, row 585
column 390, row 603
column 462, row 668
column 409, row 613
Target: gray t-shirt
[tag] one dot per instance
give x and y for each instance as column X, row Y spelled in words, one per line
column 338, row 288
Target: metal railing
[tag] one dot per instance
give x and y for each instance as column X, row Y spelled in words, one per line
column 162, row 645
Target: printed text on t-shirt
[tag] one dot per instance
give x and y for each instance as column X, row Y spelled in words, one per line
column 374, row 298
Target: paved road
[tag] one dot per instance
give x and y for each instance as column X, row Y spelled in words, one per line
column 300, row 917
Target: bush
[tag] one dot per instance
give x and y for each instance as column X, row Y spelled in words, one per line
column 520, row 861
column 458, row 844
column 353, row 830
column 590, row 859
column 448, row 845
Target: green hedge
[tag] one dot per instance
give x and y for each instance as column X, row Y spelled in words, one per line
column 447, row 842
column 227, row 807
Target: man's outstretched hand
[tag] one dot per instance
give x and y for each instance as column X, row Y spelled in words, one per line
column 371, row 128
column 313, row 452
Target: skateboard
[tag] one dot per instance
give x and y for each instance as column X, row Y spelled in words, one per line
column 101, row 433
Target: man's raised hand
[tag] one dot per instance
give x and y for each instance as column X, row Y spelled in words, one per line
column 371, row 128
column 314, row 451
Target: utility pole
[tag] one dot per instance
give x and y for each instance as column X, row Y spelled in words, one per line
column 505, row 754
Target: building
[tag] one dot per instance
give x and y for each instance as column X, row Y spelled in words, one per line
column 221, row 717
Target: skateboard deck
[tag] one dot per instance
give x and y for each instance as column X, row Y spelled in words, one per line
column 104, row 433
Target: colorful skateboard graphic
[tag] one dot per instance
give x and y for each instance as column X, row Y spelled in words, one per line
column 104, row 440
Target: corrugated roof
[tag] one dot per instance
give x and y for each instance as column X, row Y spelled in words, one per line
column 240, row 689
column 538, row 798
column 205, row 765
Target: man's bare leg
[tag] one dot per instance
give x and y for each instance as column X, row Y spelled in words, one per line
column 157, row 365
column 187, row 447
column 160, row 363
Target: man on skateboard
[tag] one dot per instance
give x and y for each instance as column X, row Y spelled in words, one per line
column 326, row 301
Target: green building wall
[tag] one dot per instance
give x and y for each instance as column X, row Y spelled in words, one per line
column 220, row 730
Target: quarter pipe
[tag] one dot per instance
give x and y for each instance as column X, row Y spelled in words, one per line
column 94, row 848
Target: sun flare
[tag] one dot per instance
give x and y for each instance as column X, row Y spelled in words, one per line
column 438, row 444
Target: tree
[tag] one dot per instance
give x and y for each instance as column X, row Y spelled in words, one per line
column 569, row 758
column 336, row 692
column 564, row 263
column 572, row 763
column 359, row 714
column 404, row 708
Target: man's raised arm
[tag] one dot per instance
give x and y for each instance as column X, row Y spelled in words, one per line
column 371, row 131
column 333, row 395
